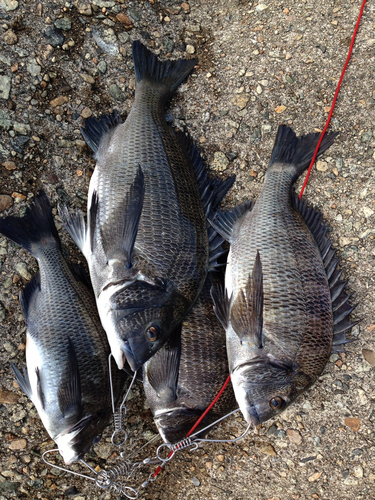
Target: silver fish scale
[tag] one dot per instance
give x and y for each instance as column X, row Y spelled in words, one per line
column 172, row 237
column 297, row 314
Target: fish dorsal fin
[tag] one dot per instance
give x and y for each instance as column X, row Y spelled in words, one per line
column 247, row 310
column 74, row 223
column 28, row 295
column 340, row 307
column 163, row 368
column 222, row 304
column 23, row 380
column 226, row 222
column 122, row 225
column 69, row 391
column 95, row 129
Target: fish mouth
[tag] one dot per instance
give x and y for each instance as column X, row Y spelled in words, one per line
column 254, row 416
column 130, row 358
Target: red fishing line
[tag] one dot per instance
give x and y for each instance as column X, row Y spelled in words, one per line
column 334, row 99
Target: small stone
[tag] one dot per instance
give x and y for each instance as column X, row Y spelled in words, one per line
column 358, row 471
column 4, row 87
column 54, row 36
column 21, row 128
column 185, row 7
column 6, row 202
column 261, row 7
column 10, row 38
column 259, row 89
column 315, row 477
column 280, row 109
column 369, row 356
column 267, row 449
column 86, row 112
column 368, row 212
column 220, row 162
column 116, row 93
column 104, row 450
column 220, row 458
column 33, row 68
column 353, row 423
column 196, row 481
column 18, row 444
column 79, row 173
column 240, row 101
column 8, row 5
column 5, row 120
column 8, row 397
column 85, row 10
column 322, row 166
column 64, row 23
column 190, row 49
column 288, row 56
column 134, row 15
column 9, row 165
column 59, row 101
column 294, row 436
column 21, row 269
column 102, row 67
column 125, row 20
column 366, row 136
column 88, row 78
column 71, row 492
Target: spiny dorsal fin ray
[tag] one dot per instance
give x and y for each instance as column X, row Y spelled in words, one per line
column 95, row 129
column 225, row 223
column 340, row 307
column 122, row 225
column 247, row 311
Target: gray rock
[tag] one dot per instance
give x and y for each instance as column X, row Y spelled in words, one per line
column 196, row 481
column 4, row 87
column 21, row 128
column 22, row 270
column 8, row 5
column 33, row 68
column 134, row 15
column 220, row 162
column 102, row 67
column 116, row 93
column 5, row 121
column 64, row 23
column 106, row 40
column 104, row 3
column 54, row 36
column 123, row 38
column 366, row 136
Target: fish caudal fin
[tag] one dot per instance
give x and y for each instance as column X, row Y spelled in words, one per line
column 340, row 307
column 247, row 310
column 298, row 151
column 35, row 229
column 95, row 129
column 148, row 67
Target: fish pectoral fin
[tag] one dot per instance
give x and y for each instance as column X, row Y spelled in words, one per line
column 95, row 129
column 222, row 304
column 39, row 388
column 225, row 223
column 162, row 369
column 120, row 231
column 74, row 223
column 23, row 380
column 29, row 293
column 69, row 391
column 247, row 311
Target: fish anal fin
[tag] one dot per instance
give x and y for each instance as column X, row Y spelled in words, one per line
column 23, row 380
column 74, row 223
column 69, row 391
column 28, row 294
column 95, row 129
column 247, row 310
column 222, row 304
column 225, row 223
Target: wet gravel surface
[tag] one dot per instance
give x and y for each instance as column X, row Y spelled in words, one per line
column 259, row 65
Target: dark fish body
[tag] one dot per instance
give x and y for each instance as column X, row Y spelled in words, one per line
column 67, row 375
column 183, row 378
column 282, row 288
column 146, row 241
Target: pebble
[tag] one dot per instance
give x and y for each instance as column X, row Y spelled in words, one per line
column 369, row 356
column 190, row 49
column 116, row 93
column 8, row 5
column 54, row 36
column 261, row 7
column 368, row 212
column 220, row 162
column 315, row 477
column 58, row 101
column 125, row 20
column 322, row 166
column 366, row 136
column 33, row 68
column 102, row 67
column 106, row 40
column 21, row 128
column 10, row 38
column 5, row 121
column 104, row 450
column 358, row 471
column 85, row 10
column 9, row 165
column 196, row 481
column 240, row 101
column 18, row 444
column 294, row 436
column 104, row 3
column 185, row 7
column 64, row 23
column 280, row 109
column 6, row 202
column 353, row 423
column 267, row 449
column 21, row 269
column 8, row 397
column 134, row 15
column 86, row 112
column 4, row 87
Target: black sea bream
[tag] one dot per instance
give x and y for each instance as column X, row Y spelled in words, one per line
column 67, row 351
column 284, row 305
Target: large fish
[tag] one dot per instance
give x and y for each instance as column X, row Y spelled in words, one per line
column 67, row 351
column 284, row 306
column 146, row 239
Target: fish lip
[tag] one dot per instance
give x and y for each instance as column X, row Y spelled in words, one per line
column 254, row 416
column 130, row 358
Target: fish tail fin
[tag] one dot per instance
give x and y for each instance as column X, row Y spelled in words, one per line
column 35, row 229
column 148, row 67
column 298, row 151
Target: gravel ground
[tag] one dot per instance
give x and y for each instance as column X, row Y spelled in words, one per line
column 259, row 65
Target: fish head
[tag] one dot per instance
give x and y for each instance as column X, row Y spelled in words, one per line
column 75, row 442
column 264, row 389
column 141, row 319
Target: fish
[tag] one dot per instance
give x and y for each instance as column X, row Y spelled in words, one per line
column 284, row 307
column 67, row 375
column 146, row 240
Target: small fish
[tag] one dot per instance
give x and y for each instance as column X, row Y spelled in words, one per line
column 146, row 240
column 183, row 378
column 67, row 376
column 284, row 308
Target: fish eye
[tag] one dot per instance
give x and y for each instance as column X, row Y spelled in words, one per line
column 277, row 403
column 152, row 333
